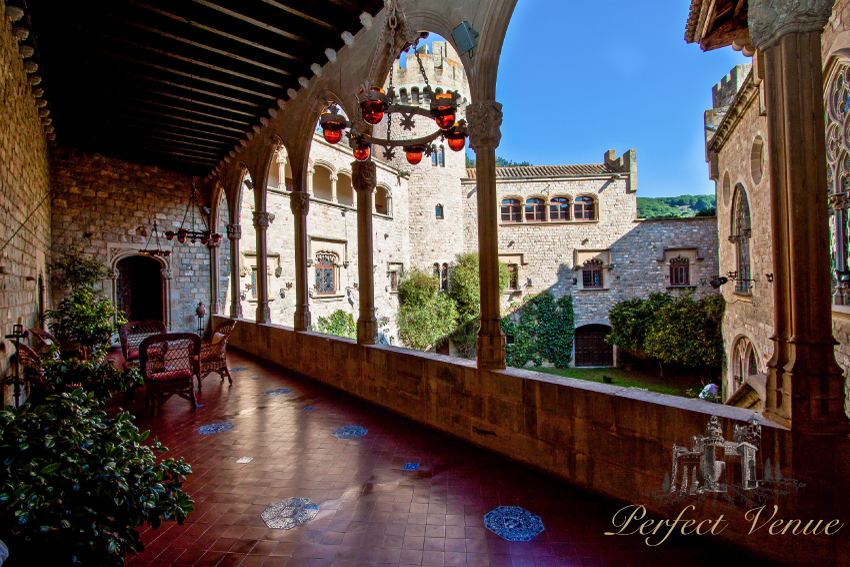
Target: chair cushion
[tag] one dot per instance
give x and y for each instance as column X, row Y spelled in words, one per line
column 132, row 353
column 210, row 358
column 216, row 338
column 171, row 375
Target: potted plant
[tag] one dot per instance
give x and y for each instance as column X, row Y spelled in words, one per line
column 77, row 484
column 85, row 317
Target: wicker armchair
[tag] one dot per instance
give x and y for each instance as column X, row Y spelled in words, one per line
column 133, row 333
column 40, row 385
column 43, row 342
column 214, row 353
column 168, row 362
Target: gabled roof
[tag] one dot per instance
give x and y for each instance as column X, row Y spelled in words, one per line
column 522, row 171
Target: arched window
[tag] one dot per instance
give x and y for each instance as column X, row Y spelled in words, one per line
column 584, row 208
column 434, row 158
column 559, row 209
column 513, row 277
column 403, row 94
column 744, row 362
column 322, row 185
column 535, row 210
column 325, row 284
column 444, row 278
column 680, row 272
column 414, row 94
column 344, row 190
column 382, row 201
column 591, row 274
column 741, row 232
column 511, row 211
column 838, row 179
column 438, row 212
column 437, row 271
column 441, row 156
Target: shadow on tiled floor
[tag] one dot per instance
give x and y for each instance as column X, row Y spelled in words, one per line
column 371, row 511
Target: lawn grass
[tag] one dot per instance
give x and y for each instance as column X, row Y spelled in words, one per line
column 675, row 385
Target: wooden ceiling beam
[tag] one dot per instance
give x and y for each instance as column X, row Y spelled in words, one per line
column 187, row 75
column 181, row 149
column 184, row 119
column 217, row 150
column 189, row 157
column 215, row 31
column 195, row 101
column 350, row 6
column 178, row 134
column 180, row 108
column 295, row 12
column 252, row 21
column 203, row 46
column 227, row 137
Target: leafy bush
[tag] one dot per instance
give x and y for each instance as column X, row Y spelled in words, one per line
column 425, row 316
column 465, row 291
column 98, row 376
column 76, row 484
column 75, row 269
column 688, row 332
column 542, row 328
column 340, row 323
column 631, row 320
column 85, row 316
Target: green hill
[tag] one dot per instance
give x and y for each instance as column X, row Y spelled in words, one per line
column 675, row 207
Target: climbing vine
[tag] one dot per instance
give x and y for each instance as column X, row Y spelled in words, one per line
column 542, row 328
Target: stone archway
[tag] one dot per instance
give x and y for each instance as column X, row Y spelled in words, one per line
column 591, row 349
column 139, row 288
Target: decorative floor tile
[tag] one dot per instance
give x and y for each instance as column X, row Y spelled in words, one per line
column 278, row 391
column 349, row 432
column 289, row 513
column 411, row 466
column 243, row 460
column 513, row 523
column 308, row 408
column 255, row 379
column 240, row 369
column 215, row 428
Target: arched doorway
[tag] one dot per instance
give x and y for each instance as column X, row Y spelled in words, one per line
column 591, row 348
column 744, row 363
column 138, row 290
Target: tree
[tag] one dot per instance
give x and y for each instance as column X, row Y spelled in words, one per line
column 688, row 332
column 631, row 320
column 75, row 269
column 425, row 316
column 465, row 291
column 339, row 323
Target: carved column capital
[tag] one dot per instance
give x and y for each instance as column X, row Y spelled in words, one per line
column 770, row 20
column 262, row 219
column 485, row 123
column 114, row 274
column 364, row 176
column 166, row 273
column 213, row 244
column 234, row 232
column 281, row 155
column 299, row 203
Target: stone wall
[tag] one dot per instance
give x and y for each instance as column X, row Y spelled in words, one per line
column 110, row 205
column 331, row 226
column 610, row 440
column 24, row 199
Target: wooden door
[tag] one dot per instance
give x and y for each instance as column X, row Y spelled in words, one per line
column 591, row 348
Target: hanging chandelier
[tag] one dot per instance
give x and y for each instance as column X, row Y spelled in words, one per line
column 158, row 251
column 374, row 102
column 205, row 235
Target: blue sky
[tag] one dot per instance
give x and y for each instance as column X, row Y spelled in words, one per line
column 578, row 78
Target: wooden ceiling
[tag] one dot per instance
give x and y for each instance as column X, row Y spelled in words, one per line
column 716, row 23
column 176, row 83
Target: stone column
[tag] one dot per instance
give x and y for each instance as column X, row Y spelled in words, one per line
column 310, row 172
column 234, row 234
column 299, row 202
column 281, row 168
column 215, row 276
column 333, row 187
column 262, row 220
column 364, row 177
column 485, row 120
column 805, row 385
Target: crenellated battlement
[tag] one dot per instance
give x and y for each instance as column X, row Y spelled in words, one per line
column 442, row 66
column 723, row 93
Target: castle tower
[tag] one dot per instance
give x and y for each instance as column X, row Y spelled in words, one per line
column 435, row 193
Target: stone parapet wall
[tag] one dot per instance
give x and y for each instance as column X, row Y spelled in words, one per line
column 24, row 199
column 109, row 205
column 611, row 440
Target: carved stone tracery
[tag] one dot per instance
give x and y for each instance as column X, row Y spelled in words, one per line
column 770, row 20
column 485, row 123
column 299, row 203
column 837, row 110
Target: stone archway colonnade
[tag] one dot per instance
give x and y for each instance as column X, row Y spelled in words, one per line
column 291, row 125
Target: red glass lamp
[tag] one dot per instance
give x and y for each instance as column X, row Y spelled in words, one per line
column 332, row 123
column 443, row 109
column 414, row 154
column 362, row 151
column 456, row 136
column 373, row 104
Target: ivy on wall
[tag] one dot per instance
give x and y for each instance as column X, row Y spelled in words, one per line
column 542, row 328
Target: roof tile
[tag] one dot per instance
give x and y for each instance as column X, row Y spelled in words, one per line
column 519, row 172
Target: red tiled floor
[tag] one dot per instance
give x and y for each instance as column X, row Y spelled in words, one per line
column 371, row 511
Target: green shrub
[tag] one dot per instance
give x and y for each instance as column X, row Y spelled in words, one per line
column 425, row 316
column 542, row 328
column 86, row 317
column 631, row 320
column 75, row 485
column 688, row 332
column 465, row 291
column 98, row 376
column 417, row 287
column 340, row 323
